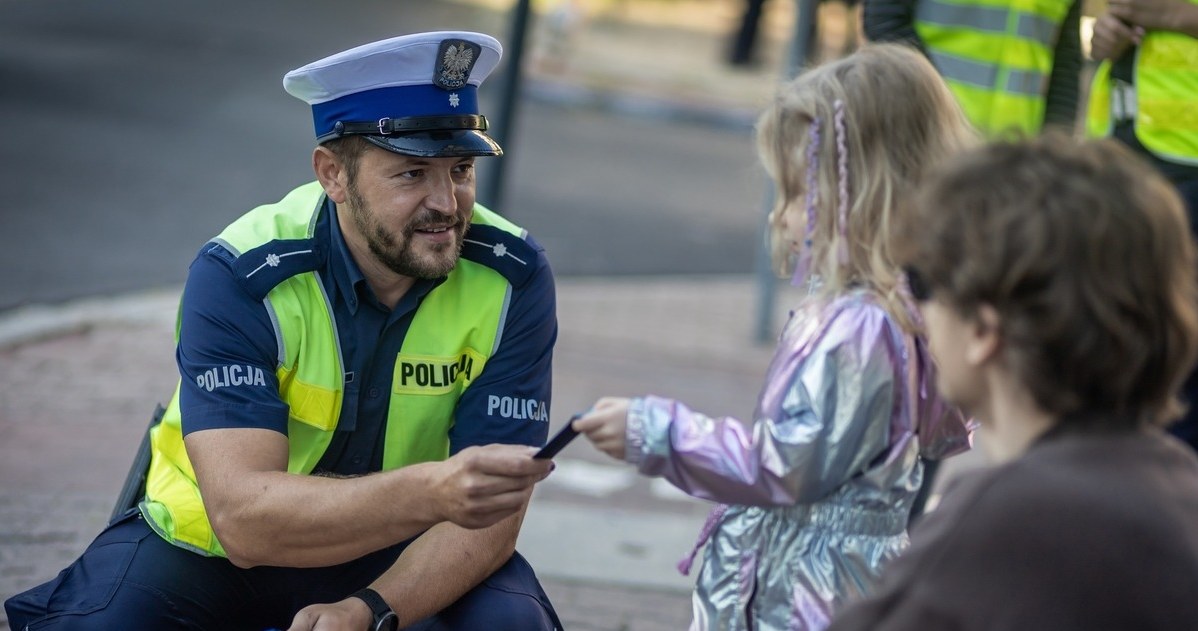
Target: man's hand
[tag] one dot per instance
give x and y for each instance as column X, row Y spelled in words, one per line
column 480, row 486
column 1164, row 15
column 1112, row 37
column 350, row 614
column 605, row 425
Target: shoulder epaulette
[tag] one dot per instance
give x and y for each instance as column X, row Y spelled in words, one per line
column 502, row 251
column 261, row 269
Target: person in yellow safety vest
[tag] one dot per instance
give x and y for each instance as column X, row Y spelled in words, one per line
column 1145, row 94
column 365, row 373
column 1014, row 65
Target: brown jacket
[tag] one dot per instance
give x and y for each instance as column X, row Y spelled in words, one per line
column 1084, row 531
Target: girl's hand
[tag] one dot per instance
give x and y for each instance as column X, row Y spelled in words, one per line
column 1112, row 36
column 604, row 425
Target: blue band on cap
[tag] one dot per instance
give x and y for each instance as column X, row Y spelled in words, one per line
column 394, row 102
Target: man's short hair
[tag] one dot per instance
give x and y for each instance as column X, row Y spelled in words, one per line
column 1085, row 252
column 348, row 150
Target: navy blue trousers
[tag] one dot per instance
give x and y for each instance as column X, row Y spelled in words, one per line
column 130, row 578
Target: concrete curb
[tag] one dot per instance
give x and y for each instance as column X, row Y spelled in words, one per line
column 606, row 316
column 35, row 323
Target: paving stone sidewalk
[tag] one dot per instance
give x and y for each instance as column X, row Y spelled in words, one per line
column 79, row 382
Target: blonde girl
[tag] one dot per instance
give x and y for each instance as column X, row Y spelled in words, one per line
column 816, row 488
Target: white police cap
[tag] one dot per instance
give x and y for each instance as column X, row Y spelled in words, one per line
column 413, row 94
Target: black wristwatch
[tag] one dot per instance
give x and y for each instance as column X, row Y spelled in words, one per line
column 384, row 618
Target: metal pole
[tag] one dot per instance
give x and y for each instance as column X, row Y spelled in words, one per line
column 502, row 130
column 767, row 283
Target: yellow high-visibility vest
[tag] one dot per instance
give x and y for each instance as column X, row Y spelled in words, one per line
column 453, row 333
column 995, row 55
column 1164, row 97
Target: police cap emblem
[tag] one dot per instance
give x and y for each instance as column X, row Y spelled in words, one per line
column 455, row 59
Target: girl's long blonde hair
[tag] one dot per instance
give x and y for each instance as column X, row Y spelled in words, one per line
column 863, row 130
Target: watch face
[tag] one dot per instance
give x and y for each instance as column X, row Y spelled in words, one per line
column 386, row 622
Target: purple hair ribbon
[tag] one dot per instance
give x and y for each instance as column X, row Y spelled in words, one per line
column 803, row 267
column 842, row 155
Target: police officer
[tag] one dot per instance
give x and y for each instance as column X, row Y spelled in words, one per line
column 1013, row 65
column 350, row 356
column 1145, row 94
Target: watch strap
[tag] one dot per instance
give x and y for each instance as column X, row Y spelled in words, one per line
column 385, row 618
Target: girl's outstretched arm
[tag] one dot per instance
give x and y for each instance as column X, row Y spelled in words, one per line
column 832, row 403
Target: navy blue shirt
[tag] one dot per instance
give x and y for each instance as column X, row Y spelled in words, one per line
column 228, row 355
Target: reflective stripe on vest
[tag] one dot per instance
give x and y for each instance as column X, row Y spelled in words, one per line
column 446, row 348
column 1166, row 91
column 996, row 56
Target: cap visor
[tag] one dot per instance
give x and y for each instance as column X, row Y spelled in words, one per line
column 456, row 143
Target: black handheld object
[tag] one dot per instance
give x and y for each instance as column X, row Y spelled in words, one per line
column 559, row 440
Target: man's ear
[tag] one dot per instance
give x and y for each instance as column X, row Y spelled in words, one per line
column 330, row 172
column 985, row 338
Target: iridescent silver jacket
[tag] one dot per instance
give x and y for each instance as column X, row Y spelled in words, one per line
column 816, row 490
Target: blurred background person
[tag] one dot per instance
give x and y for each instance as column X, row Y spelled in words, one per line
column 1014, row 66
column 743, row 51
column 745, row 42
column 1146, row 89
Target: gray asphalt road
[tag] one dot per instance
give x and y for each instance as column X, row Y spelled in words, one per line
column 133, row 131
